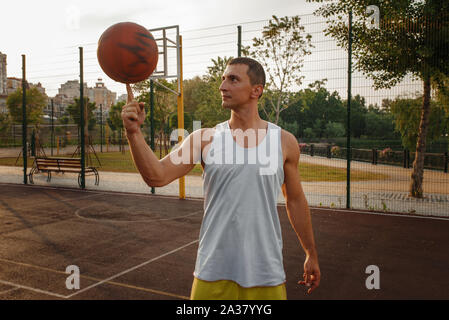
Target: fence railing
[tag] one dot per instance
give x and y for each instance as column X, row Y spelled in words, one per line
column 405, row 158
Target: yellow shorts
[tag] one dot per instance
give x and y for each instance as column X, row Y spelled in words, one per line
column 229, row 290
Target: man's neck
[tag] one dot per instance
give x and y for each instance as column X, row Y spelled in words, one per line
column 246, row 119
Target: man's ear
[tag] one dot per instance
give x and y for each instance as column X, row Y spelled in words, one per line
column 257, row 91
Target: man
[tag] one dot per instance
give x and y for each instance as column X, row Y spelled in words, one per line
column 240, row 247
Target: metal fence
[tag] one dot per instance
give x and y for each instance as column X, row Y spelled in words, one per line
column 380, row 176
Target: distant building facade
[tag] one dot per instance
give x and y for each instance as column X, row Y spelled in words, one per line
column 3, row 107
column 101, row 95
column 2, row 74
column 3, row 95
column 71, row 89
column 122, row 97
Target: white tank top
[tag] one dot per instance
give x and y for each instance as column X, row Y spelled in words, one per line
column 240, row 236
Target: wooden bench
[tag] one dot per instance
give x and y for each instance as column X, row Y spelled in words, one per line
column 72, row 165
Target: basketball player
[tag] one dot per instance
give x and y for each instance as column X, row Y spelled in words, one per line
column 240, row 245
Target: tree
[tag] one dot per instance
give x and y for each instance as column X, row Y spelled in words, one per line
column 412, row 39
column 115, row 116
column 334, row 130
column 317, row 108
column 203, row 101
column 35, row 104
column 407, row 119
column 4, row 123
column 380, row 121
column 215, row 72
column 74, row 112
column 165, row 104
column 358, row 114
column 192, row 87
column 281, row 51
column 210, row 110
column 291, row 127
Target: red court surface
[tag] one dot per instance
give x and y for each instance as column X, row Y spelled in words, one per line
column 132, row 246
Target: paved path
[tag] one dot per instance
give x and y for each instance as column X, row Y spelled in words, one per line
column 385, row 195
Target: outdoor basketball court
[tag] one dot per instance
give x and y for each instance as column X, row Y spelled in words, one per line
column 131, row 246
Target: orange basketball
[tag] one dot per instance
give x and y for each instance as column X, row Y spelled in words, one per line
column 127, row 52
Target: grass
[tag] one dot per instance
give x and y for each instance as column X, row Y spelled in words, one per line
column 310, row 172
column 119, row 162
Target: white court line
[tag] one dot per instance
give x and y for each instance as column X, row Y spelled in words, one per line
column 33, row 289
column 105, row 192
column 51, row 201
column 9, row 290
column 80, row 210
column 131, row 269
column 380, row 213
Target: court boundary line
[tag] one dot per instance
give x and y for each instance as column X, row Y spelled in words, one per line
column 50, row 201
column 102, row 191
column 132, row 269
column 382, row 213
column 280, row 204
column 19, row 286
column 79, row 210
column 8, row 290
column 120, row 284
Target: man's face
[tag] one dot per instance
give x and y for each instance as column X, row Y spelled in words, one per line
column 236, row 89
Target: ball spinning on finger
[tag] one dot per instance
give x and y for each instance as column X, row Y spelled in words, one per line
column 127, row 52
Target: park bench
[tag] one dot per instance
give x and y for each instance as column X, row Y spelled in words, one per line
column 72, row 165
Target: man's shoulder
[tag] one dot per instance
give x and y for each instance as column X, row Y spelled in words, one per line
column 290, row 145
column 288, row 138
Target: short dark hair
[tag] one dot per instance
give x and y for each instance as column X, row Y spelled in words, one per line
column 256, row 73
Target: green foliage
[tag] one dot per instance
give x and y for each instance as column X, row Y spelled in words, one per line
column 358, row 113
column 74, row 112
column 115, row 121
column 314, row 108
column 407, row 114
column 165, row 101
column 64, row 119
column 5, row 123
column 411, row 38
column 334, row 130
column 281, row 50
column 209, row 105
column 379, row 123
column 291, row 127
column 192, row 96
column 35, row 104
column 309, row 133
column 215, row 72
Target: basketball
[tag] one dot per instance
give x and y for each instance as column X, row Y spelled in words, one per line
column 127, row 52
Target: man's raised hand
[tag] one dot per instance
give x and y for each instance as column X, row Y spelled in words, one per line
column 133, row 113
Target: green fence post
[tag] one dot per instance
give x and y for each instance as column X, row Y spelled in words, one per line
column 52, row 137
column 24, row 122
column 348, row 141
column 239, row 41
column 446, row 160
column 152, row 120
column 83, row 160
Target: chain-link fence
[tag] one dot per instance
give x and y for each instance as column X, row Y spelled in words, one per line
column 315, row 112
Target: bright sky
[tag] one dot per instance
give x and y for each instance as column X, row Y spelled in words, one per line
column 50, row 31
